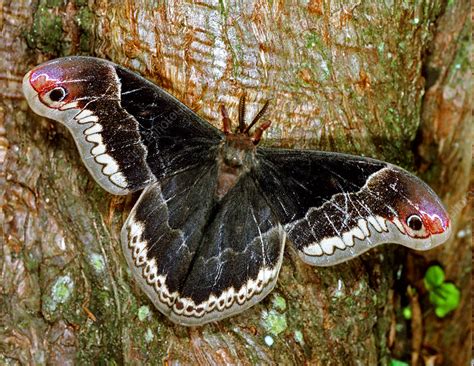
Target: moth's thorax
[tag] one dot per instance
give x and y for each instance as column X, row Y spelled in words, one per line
column 235, row 158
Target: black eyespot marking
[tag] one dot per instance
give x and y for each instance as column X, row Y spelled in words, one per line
column 57, row 94
column 414, row 222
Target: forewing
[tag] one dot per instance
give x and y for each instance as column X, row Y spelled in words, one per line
column 200, row 260
column 336, row 206
column 129, row 132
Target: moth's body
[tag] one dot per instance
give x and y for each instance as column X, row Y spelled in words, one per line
column 236, row 156
column 205, row 240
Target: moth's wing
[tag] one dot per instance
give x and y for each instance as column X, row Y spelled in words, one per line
column 239, row 259
column 129, row 132
column 199, row 260
column 335, row 206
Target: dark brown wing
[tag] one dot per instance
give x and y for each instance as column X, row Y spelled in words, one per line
column 336, row 206
column 200, row 260
column 129, row 131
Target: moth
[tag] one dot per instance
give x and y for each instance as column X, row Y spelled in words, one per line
column 205, row 240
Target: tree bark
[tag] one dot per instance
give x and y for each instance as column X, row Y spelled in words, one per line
column 388, row 80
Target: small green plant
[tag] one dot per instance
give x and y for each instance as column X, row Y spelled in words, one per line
column 444, row 296
column 395, row 362
column 406, row 312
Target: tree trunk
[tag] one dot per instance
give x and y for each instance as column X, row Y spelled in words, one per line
column 383, row 79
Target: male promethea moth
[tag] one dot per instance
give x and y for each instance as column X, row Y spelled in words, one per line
column 205, row 240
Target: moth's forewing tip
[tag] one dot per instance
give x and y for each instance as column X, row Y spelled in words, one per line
column 28, row 90
column 442, row 237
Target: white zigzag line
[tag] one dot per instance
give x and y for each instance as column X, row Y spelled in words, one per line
column 327, row 246
column 186, row 306
column 98, row 152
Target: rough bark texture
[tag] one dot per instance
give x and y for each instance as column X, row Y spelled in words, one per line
column 384, row 79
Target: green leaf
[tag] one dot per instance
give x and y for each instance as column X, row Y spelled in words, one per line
column 441, row 312
column 445, row 298
column 434, row 277
column 407, row 312
column 394, row 362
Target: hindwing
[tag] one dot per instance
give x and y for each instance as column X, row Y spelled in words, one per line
column 200, row 259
